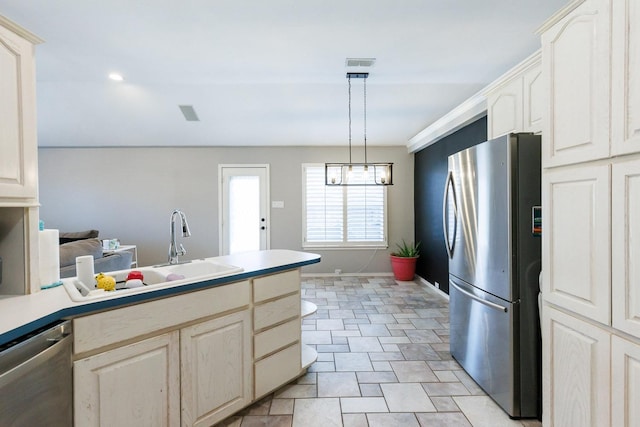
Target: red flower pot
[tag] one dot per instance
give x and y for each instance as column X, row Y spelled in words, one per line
column 404, row 268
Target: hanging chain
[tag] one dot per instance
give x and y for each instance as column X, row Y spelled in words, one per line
column 365, row 120
column 349, row 77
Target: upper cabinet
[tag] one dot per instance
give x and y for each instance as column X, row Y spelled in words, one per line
column 625, row 84
column 18, row 144
column 576, row 62
column 514, row 102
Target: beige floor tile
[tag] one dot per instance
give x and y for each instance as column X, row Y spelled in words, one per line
column 308, row 378
column 363, row 404
column 329, row 325
column 346, row 333
column 234, row 421
column 445, row 389
column 375, row 357
column 413, row 371
column 406, row 397
column 328, row 357
column 484, row 412
column 354, row 420
column 322, row 412
column 352, row 362
column 364, row 344
column 392, row 420
column 376, row 377
column 370, row 390
column 337, row 384
column 281, row 407
column 295, row 391
column 381, row 366
column 446, row 419
column 446, row 376
column 322, row 367
column 444, row 403
column 266, row 421
column 377, row 330
column 316, row 337
column 394, row 340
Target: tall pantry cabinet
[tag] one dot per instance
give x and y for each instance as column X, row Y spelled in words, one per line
column 18, row 160
column 591, row 215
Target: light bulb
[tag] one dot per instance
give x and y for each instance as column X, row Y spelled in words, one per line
column 366, row 172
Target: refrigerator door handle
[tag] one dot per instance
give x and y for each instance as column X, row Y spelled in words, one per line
column 478, row 299
column 449, row 184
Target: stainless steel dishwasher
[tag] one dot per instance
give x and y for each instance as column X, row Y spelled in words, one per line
column 36, row 381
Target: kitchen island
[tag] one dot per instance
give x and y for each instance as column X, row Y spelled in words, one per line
column 186, row 354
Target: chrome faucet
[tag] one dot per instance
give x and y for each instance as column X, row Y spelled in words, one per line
column 174, row 250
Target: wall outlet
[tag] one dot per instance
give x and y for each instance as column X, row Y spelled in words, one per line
column 338, row 271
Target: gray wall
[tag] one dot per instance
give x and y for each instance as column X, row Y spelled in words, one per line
column 129, row 193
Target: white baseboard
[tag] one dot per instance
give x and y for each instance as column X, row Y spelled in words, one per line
column 431, row 288
column 347, row 274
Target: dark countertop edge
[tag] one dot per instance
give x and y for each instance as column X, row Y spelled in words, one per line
column 113, row 303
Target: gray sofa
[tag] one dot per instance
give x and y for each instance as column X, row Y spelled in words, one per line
column 78, row 244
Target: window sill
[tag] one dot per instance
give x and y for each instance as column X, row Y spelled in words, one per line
column 333, row 247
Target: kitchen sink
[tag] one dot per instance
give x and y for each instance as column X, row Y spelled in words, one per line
column 153, row 278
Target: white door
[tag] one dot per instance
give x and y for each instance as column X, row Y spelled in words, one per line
column 244, row 213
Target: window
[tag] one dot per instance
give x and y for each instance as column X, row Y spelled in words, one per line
column 348, row 216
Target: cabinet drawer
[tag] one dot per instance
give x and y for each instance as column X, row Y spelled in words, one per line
column 275, row 338
column 276, row 311
column 276, row 285
column 277, row 369
column 110, row 327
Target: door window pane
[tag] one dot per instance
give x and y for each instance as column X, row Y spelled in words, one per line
column 244, row 213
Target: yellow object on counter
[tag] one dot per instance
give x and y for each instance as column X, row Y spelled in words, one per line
column 105, row 282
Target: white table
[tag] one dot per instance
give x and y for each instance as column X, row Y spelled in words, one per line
column 131, row 248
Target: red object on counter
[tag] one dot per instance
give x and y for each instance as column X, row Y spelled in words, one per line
column 135, row 274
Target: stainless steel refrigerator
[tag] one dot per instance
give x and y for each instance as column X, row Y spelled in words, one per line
column 491, row 195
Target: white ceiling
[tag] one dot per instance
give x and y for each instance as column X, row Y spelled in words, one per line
column 264, row 72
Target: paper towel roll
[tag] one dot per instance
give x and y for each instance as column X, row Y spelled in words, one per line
column 49, row 257
column 84, row 271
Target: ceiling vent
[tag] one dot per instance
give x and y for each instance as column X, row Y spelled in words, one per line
column 360, row 62
column 189, row 113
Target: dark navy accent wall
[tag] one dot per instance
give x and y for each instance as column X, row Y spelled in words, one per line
column 430, row 173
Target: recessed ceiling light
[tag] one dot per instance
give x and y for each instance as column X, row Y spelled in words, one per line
column 116, row 77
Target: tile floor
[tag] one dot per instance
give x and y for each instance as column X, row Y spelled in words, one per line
column 383, row 360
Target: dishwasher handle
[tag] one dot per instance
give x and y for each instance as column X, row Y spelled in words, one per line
column 59, row 344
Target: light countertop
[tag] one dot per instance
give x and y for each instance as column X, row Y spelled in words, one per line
column 20, row 315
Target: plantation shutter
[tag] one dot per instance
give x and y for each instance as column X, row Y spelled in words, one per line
column 342, row 215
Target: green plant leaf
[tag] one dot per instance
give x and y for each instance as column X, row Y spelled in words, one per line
column 407, row 250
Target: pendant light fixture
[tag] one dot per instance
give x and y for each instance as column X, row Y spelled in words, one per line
column 358, row 173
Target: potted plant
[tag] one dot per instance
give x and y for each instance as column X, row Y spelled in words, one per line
column 403, row 261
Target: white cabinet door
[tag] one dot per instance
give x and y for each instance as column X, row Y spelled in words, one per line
column 217, row 378
column 576, row 362
column 625, row 82
column 625, row 382
column 504, row 109
column 533, row 102
column 135, row 385
column 576, row 255
column 575, row 59
column 18, row 150
column 625, row 235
